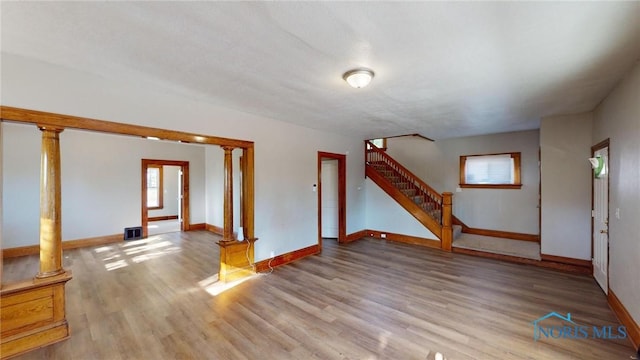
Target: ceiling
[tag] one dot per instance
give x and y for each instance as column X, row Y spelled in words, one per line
column 443, row 69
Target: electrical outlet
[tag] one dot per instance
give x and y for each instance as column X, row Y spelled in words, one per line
column 618, row 213
column 384, row 236
column 272, row 254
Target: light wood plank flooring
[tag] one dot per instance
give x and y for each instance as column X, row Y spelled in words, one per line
column 370, row 299
column 519, row 248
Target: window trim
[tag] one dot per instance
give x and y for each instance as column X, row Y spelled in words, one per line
column 516, row 156
column 160, row 187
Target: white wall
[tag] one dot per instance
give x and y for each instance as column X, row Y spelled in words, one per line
column 100, row 182
column 618, row 119
column 385, row 214
column 438, row 164
column 214, row 158
column 285, row 154
column 565, row 146
column 170, row 192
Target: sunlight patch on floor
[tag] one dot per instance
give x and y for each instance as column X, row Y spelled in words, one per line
column 135, row 252
column 215, row 287
column 115, row 265
column 383, row 340
column 151, row 246
column 141, row 241
column 103, row 249
column 153, row 255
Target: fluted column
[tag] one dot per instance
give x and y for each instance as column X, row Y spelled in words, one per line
column 227, row 233
column 50, row 204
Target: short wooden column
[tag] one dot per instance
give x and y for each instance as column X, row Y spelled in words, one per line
column 227, row 232
column 50, row 204
column 447, row 230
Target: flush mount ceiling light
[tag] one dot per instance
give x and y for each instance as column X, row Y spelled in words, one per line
column 358, row 78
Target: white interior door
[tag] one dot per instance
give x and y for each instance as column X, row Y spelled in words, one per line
column 329, row 198
column 601, row 223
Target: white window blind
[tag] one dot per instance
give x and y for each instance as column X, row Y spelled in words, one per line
column 489, row 169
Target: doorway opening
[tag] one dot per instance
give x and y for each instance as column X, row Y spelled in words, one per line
column 165, row 196
column 600, row 214
column 332, row 217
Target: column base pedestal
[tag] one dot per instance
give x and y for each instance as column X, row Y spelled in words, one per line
column 33, row 314
column 236, row 259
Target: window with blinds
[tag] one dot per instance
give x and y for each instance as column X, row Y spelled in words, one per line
column 490, row 171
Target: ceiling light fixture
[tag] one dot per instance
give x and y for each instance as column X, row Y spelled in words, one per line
column 358, row 78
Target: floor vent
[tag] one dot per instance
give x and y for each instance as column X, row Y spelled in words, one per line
column 133, row 233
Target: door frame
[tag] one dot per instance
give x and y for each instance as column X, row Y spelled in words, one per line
column 599, row 146
column 342, row 195
column 184, row 204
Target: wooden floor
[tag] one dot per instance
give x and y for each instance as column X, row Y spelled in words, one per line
column 369, row 299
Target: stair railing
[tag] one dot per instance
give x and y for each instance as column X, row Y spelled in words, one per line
column 437, row 206
column 431, row 197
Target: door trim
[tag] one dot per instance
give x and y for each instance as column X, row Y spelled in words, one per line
column 342, row 195
column 184, row 167
column 601, row 145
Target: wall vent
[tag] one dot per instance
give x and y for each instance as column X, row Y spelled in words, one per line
column 133, row 233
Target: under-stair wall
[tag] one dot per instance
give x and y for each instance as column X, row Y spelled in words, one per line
column 429, row 208
column 394, row 218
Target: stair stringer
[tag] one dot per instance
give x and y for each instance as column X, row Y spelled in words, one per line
column 415, row 210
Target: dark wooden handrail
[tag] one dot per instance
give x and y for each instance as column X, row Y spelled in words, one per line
column 404, row 172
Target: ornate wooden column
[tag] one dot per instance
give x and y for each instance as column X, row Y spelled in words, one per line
column 33, row 312
column 227, row 233
column 50, row 207
column 235, row 256
column 248, row 193
column 447, row 230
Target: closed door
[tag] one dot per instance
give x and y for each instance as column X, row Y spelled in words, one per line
column 601, row 222
column 329, row 198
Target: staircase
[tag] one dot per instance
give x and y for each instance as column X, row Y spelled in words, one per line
column 433, row 206
column 430, row 208
column 433, row 210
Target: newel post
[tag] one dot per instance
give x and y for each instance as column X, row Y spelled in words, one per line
column 447, row 230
